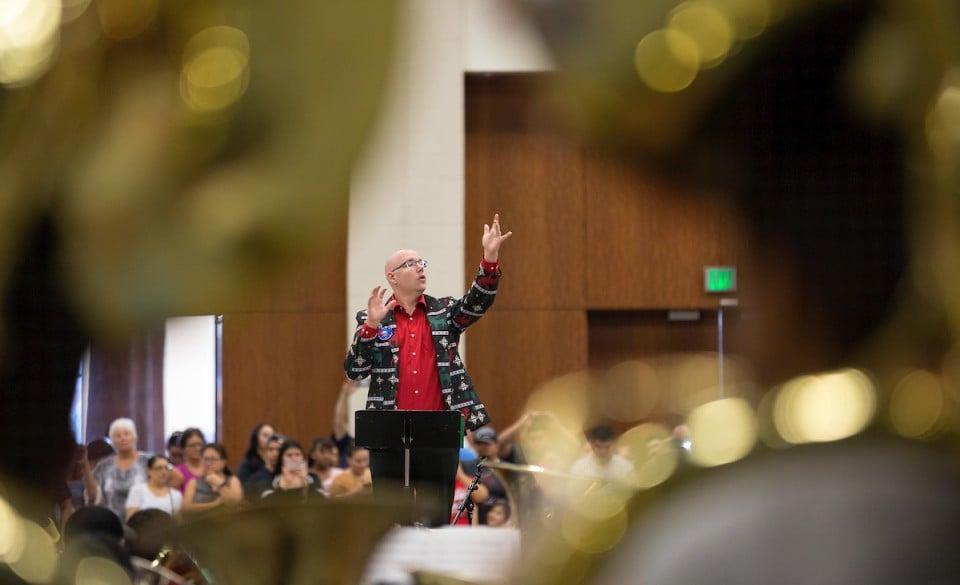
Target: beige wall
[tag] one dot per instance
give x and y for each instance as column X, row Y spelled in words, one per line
column 408, row 189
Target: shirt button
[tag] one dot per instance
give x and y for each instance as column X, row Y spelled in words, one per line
column 413, row 335
column 414, row 353
column 416, row 392
column 414, row 371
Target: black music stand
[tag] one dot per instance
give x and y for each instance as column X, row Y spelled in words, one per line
column 418, row 449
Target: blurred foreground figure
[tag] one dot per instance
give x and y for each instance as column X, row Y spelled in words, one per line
column 159, row 158
column 834, row 128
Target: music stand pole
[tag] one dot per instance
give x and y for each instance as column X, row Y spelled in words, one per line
column 467, row 501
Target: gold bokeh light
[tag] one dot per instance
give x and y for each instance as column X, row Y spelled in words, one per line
column 709, row 28
column 917, row 404
column 99, row 571
column 29, row 36
column 216, row 69
column 652, row 450
column 596, row 523
column 826, row 407
column 37, row 561
column 943, row 119
column 721, row 432
column 667, row 60
column 630, row 391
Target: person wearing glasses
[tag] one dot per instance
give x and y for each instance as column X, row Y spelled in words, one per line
column 218, row 486
column 409, row 344
column 156, row 493
column 420, row 328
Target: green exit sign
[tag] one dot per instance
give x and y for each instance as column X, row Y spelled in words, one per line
column 720, row 279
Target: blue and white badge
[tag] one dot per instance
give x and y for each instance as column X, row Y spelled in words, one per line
column 384, row 333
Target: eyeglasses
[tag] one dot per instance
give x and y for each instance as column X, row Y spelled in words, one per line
column 210, row 459
column 191, row 445
column 162, row 467
column 411, row 263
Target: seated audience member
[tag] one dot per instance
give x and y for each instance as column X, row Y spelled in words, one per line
column 341, row 418
column 291, row 479
column 114, row 475
column 498, row 515
column 324, row 458
column 86, row 460
column 485, row 442
column 356, row 479
column 255, row 457
column 191, row 466
column 479, row 495
column 156, row 493
column 262, row 479
column 174, row 448
column 217, row 488
column 602, row 461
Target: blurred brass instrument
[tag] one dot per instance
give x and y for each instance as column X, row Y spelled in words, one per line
column 288, row 544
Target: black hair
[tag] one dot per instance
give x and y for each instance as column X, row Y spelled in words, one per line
column 187, row 434
column 222, row 452
column 151, row 530
column 253, row 447
column 600, row 433
column 174, row 440
column 324, row 445
column 93, row 519
column 153, row 459
column 286, row 446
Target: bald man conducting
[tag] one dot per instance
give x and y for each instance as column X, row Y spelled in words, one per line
column 409, row 344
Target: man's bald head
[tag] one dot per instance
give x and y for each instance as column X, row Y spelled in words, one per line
column 406, row 281
column 398, row 258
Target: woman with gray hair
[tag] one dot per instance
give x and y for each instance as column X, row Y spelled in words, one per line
column 116, row 474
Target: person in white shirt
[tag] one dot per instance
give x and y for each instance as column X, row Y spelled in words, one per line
column 155, row 493
column 602, row 461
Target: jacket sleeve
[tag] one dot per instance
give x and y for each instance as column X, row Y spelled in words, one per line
column 466, row 311
column 360, row 354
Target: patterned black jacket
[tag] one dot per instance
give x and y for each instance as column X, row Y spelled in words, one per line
column 448, row 318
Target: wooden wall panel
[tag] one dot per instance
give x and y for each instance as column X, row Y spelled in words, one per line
column 648, row 244
column 511, row 352
column 619, row 336
column 281, row 368
column 590, row 234
column 532, row 177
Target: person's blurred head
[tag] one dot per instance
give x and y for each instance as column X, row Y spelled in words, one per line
column 259, row 437
column 123, row 435
column 324, row 454
column 290, row 457
column 602, row 440
column 191, row 443
column 97, row 449
column 149, row 531
column 174, row 451
column 93, row 519
column 499, row 513
column 485, row 442
column 273, row 451
column 214, row 459
column 158, row 470
column 358, row 460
